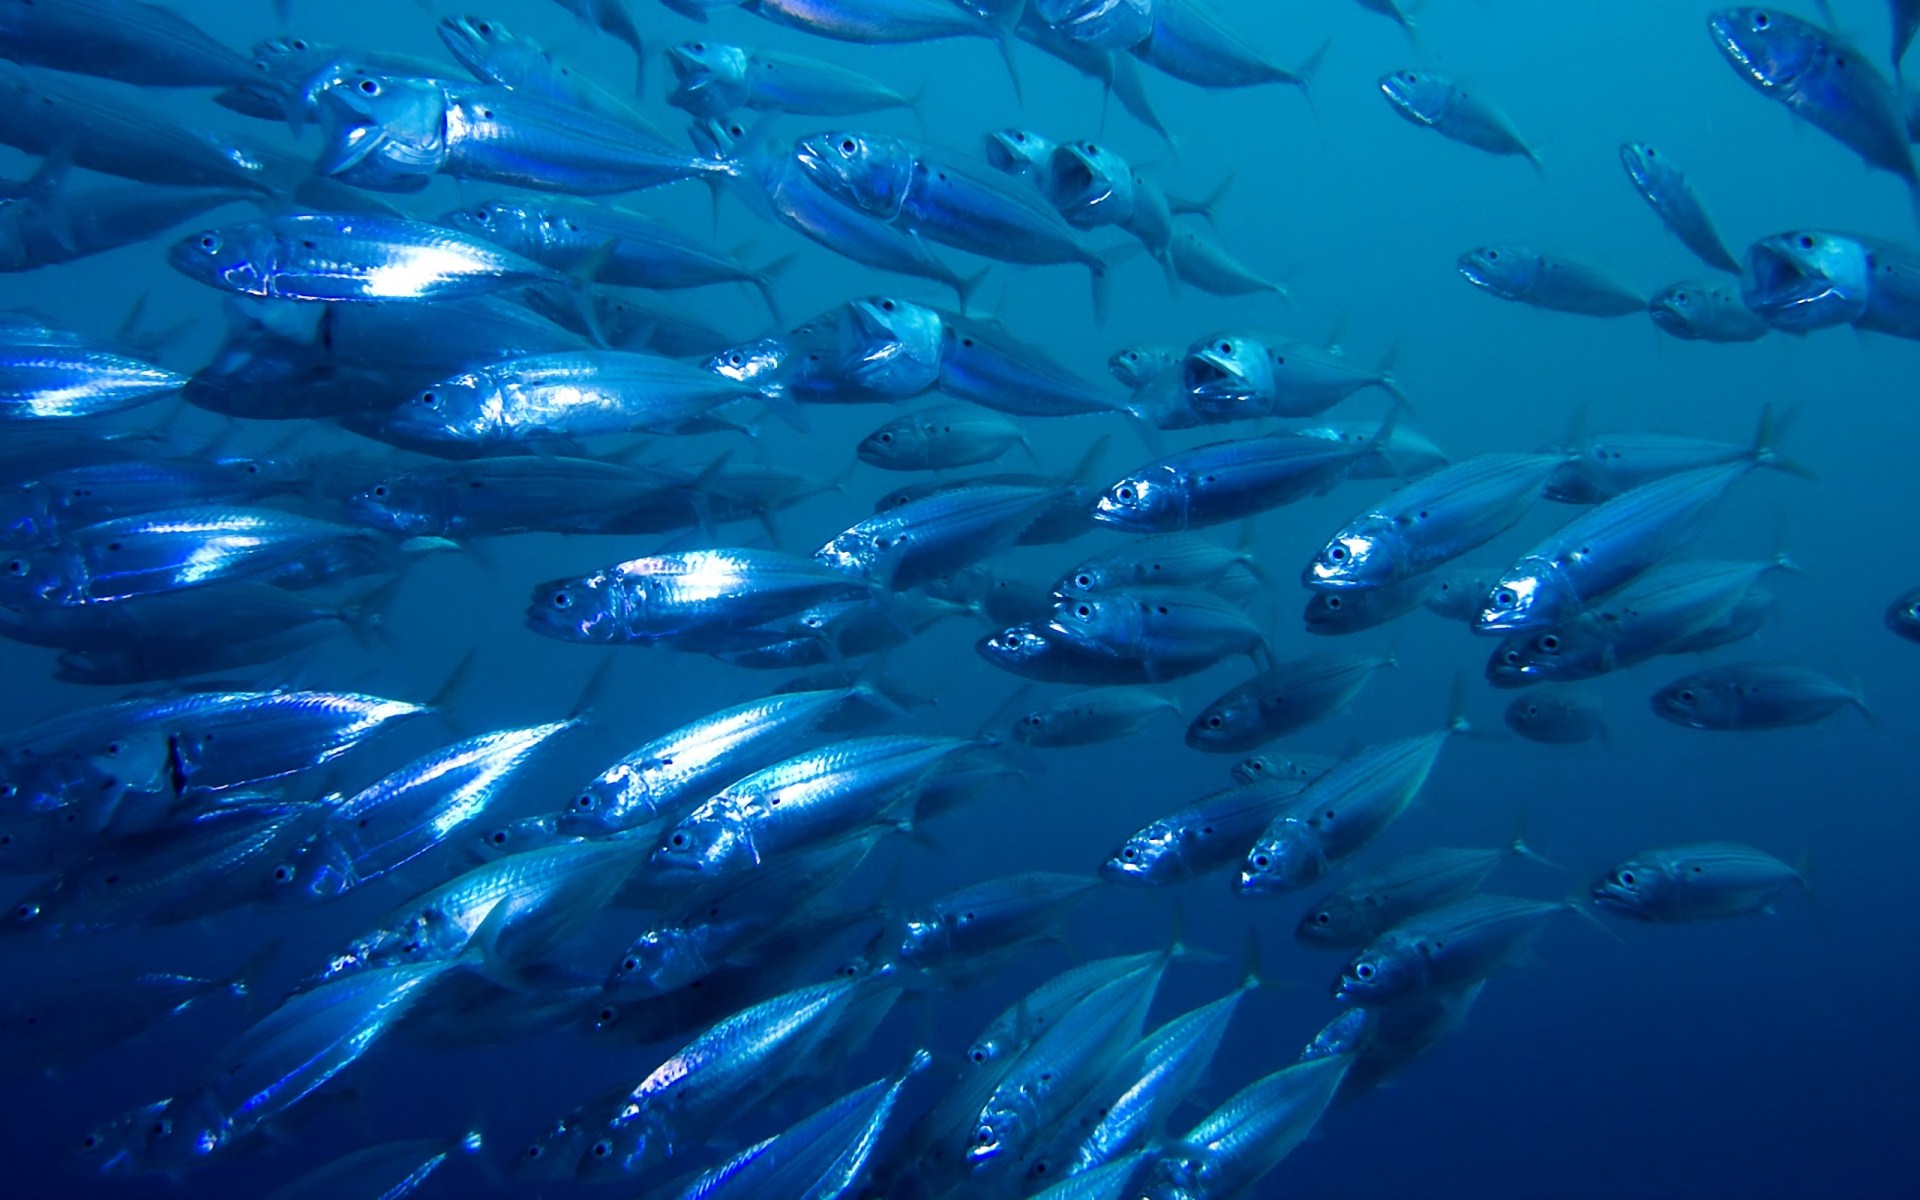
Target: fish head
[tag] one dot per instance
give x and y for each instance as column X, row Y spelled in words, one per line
column 1227, row 723
column 474, row 40
column 1532, row 656
column 1287, row 856
column 1691, row 702
column 1361, row 555
column 1526, row 598
column 1418, row 96
column 1506, row 271
column 1332, row 613
column 1681, row 309
column 709, row 77
column 925, row 935
column 1155, row 852
column 1094, row 575
column 383, row 132
column 463, row 408
column 1332, row 922
column 1807, row 279
column 1770, row 49
column 1254, row 768
column 896, row 346
column 757, row 363
column 661, row 960
column 866, row 172
column 998, row 1133
column 1647, row 167
column 1035, row 728
column 1229, row 375
column 620, row 798
column 34, row 913
column 1019, row 152
column 310, row 873
column 1148, row 501
column 556, row 1151
column 588, row 608
column 1631, row 889
column 1087, row 183
column 1378, row 975
column 1903, row 616
column 897, row 443
column 392, row 504
column 276, row 56
column 1096, row 620
column 165, row 1136
column 1136, row 365
column 514, row 224
column 1099, row 24
column 1022, row 649
column 239, row 258
column 704, row 846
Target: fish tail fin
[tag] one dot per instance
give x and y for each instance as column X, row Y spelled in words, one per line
column 1518, row 847
column 1579, row 905
column 766, row 277
column 1207, row 207
column 366, row 616
column 1859, row 701
column 48, row 180
column 1250, row 974
column 1303, row 75
column 1766, row 447
column 964, row 286
column 1533, row 157
column 1005, row 38
column 593, row 693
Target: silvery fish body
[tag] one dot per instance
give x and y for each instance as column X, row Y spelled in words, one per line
column 408, row 813
column 956, row 935
column 1209, row 835
column 1437, row 103
column 1606, row 547
column 982, row 364
column 1251, row 1132
column 714, row 79
column 1225, row 481
column 312, row 256
column 1741, row 696
column 939, row 438
column 807, row 801
column 1163, row 560
column 925, row 538
column 1810, row 279
column 1666, row 187
column 1037, row 650
column 668, row 596
column 41, row 230
column 1192, row 42
column 492, row 53
column 672, row 771
column 1705, row 310
column 1555, row 719
column 61, row 501
column 1701, row 881
column 1432, row 520
column 1340, row 812
column 1286, row 698
column 1014, row 1029
column 1374, row 902
column 1444, row 949
column 1383, row 1041
column 1152, row 624
column 1541, row 280
column 278, row 1062
column 127, row 40
column 60, row 382
column 1094, row 715
column 1354, row 610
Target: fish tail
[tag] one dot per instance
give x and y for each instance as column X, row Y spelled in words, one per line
column 764, row 279
column 1303, row 75
column 1518, row 847
column 1766, row 447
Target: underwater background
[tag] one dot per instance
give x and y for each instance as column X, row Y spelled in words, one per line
column 1772, row 1056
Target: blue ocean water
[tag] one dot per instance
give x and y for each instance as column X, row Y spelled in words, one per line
column 1772, row 1056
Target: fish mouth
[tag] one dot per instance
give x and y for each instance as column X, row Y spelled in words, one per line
column 1208, row 374
column 684, row 62
column 1474, row 267
column 1668, row 317
column 1792, row 291
column 1077, row 183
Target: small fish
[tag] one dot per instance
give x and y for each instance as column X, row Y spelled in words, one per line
column 1446, row 948
column 668, row 596
column 40, row 382
column 1152, row 624
column 492, row 53
column 714, row 79
column 1021, row 153
column 1193, row 43
column 390, row 1170
column 940, row 438
column 1530, row 277
column 1555, row 719
column 1225, row 481
column 1903, row 615
column 1136, row 366
column 1666, row 187
column 926, row 538
column 1376, row 901
column 1705, row 310
column 966, row 933
column 1382, row 1042
column 1099, row 24
column 1162, row 560
column 1741, row 696
column 1095, row 715
column 1287, row 698
column 1251, row 1132
column 1701, row 881
column 1037, row 650
column 1355, row 610
column 1440, row 104
column 1209, row 835
column 1198, row 258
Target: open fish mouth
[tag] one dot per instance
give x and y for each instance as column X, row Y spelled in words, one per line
column 1076, row 184
column 1793, row 291
column 1208, row 375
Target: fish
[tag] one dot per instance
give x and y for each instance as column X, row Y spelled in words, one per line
column 939, row 438
column 1198, row 258
column 1445, row 949
column 1432, row 521
column 982, row 364
column 1093, row 715
column 361, row 259
column 680, row 595
column 1705, row 310
column 50, row 222
column 1159, row 560
column 1252, row 1131
column 46, row 1028
column 1136, row 366
column 1809, row 279
column 1605, row 465
column 407, row 813
column 493, row 53
column 1903, row 615
column 1038, row 650
column 1336, row 815
column 125, row 40
column 1355, row 610
column 1209, row 835
column 1193, row 43
column 611, row 17
column 1225, row 481
column 1358, row 912
column 1700, row 881
column 280, row 1061
column 389, row 1169
column 625, row 248
column 1665, row 186
column 1555, row 719
column 79, row 379
column 1382, row 1042
column 1152, row 624
column 1530, row 277
column 1400, row 453
column 963, row 935
column 1821, row 80
column 1283, row 700
column 714, row 79
column 61, row 501
column 928, row 537
column 1614, row 542
column 1100, row 24
column 1753, row 695
column 1438, row 103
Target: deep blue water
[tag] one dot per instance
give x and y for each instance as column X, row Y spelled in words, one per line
column 1767, row 1057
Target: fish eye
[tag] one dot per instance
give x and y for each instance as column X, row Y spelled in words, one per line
column 484, row 28
column 283, row 873
column 584, row 801
column 370, row 87
column 1125, row 493
column 161, row 1128
column 1761, row 20
column 983, row 1136
column 978, row 1056
column 1512, row 657
column 1680, row 297
column 1084, row 611
column 886, row 439
column 678, row 841
column 1504, row 598
column 1626, row 878
column 1363, row 972
column 602, row 1149
column 498, row 837
column 1337, row 554
column 1323, row 918
column 1686, row 695
column 90, row 1141
column 380, row 491
column 1262, row 861
column 1129, row 853
column 17, row 567
column 1214, row 722
column 1226, row 347
column 1083, row 580
column 848, row 146
column 1333, row 602
column 535, row 1153
column 430, row 398
column 1533, row 710
column 26, row 912
column 1550, row 643
column 210, row 243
